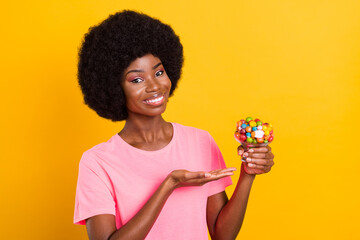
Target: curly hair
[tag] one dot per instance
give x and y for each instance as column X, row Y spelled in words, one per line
column 109, row 48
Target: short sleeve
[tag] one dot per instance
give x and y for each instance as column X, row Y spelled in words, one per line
column 94, row 194
column 217, row 162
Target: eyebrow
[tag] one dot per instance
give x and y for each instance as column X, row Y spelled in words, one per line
column 139, row 70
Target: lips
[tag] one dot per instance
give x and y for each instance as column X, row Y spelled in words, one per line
column 155, row 100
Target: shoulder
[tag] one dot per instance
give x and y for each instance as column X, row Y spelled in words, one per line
column 94, row 156
column 187, row 130
column 191, row 134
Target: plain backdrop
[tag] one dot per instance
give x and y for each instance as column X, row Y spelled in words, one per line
column 295, row 64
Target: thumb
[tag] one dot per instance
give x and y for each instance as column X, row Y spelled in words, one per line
column 240, row 150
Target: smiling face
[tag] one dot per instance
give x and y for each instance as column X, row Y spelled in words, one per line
column 146, row 86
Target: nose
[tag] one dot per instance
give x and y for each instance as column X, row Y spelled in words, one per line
column 152, row 85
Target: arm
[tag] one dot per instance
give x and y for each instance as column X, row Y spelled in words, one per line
column 225, row 217
column 103, row 226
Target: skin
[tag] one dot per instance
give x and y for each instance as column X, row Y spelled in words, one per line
column 145, row 79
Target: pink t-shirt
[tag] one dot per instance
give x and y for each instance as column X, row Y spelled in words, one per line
column 117, row 178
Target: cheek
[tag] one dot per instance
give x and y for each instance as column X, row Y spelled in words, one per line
column 131, row 91
column 131, row 95
column 168, row 84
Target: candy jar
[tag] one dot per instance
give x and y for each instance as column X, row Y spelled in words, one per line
column 253, row 133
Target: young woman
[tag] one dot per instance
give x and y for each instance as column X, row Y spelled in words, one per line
column 154, row 179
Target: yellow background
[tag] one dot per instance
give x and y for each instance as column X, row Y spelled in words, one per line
column 295, row 64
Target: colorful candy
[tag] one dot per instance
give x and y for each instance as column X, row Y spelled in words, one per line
column 252, row 123
column 259, row 134
column 254, row 131
column 248, row 119
column 243, row 138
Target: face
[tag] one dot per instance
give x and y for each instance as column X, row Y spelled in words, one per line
column 146, row 86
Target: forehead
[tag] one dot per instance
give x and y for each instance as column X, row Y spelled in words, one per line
column 145, row 62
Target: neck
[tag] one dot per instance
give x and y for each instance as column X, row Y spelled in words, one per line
column 145, row 128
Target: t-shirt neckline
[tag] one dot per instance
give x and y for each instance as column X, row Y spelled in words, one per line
column 123, row 142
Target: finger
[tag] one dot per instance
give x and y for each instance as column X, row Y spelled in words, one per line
column 256, row 166
column 240, row 150
column 218, row 176
column 212, row 177
column 265, row 162
column 230, row 169
column 267, row 169
column 201, row 174
column 220, row 171
column 259, row 166
column 261, row 149
column 195, row 175
column 267, row 155
column 261, row 171
column 257, row 155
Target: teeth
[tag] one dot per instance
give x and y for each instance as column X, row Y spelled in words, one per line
column 155, row 100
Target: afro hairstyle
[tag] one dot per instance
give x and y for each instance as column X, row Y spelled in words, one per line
column 110, row 47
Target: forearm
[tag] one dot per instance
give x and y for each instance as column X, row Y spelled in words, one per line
column 139, row 226
column 231, row 216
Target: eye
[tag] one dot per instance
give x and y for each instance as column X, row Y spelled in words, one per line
column 159, row 73
column 137, row 80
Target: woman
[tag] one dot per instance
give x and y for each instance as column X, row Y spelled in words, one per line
column 154, row 179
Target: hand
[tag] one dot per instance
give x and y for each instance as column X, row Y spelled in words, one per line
column 258, row 160
column 183, row 178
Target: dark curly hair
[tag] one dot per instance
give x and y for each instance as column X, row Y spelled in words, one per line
column 109, row 48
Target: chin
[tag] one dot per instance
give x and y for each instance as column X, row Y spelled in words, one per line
column 150, row 112
column 157, row 112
